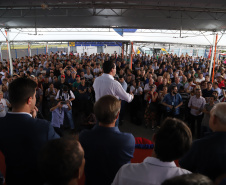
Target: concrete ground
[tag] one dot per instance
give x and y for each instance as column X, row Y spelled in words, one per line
column 136, row 130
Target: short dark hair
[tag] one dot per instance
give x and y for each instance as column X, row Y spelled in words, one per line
column 172, row 140
column 189, row 179
column 173, row 86
column 216, row 83
column 121, row 76
column 181, row 88
column 216, row 92
column 20, row 90
column 107, row 108
column 65, row 88
column 59, row 161
column 108, row 66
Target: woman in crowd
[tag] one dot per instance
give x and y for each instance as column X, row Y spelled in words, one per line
column 4, row 105
column 151, row 108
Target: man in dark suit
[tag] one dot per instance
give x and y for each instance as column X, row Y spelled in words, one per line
column 207, row 155
column 22, row 135
column 106, row 148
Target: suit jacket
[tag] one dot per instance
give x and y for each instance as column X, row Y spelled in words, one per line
column 21, row 139
column 207, row 156
column 106, row 150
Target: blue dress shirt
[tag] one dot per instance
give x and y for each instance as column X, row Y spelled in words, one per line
column 174, row 101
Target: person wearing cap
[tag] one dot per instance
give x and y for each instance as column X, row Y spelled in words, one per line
column 62, row 82
column 220, row 80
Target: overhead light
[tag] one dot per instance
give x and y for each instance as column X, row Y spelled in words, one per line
column 114, row 26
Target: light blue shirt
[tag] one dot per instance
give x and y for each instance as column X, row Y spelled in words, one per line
column 124, row 85
column 57, row 117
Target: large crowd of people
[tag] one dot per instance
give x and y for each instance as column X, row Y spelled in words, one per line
column 82, row 93
column 161, row 86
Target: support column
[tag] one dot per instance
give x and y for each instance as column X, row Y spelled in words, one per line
column 122, row 51
column 215, row 49
column 68, row 50
column 179, row 52
column 16, row 53
column 131, row 55
column 212, row 55
column 29, row 49
column 47, row 47
column 126, row 52
column 0, row 52
column 9, row 51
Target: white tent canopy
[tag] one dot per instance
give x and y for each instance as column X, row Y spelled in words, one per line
column 202, row 38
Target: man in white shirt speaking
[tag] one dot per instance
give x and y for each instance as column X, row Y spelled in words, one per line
column 106, row 85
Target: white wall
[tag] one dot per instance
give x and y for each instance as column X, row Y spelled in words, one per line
column 112, row 49
column 88, row 49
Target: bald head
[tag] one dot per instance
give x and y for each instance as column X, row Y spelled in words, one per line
column 217, row 120
column 219, row 112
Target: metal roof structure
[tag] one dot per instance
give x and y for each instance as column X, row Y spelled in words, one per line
column 167, row 21
column 199, row 15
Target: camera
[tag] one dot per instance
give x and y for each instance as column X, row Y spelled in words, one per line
column 63, row 102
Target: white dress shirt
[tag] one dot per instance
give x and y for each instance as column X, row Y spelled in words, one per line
column 20, row 113
column 106, row 85
column 151, row 171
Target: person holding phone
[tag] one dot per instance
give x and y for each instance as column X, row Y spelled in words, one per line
column 66, row 96
column 58, row 115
